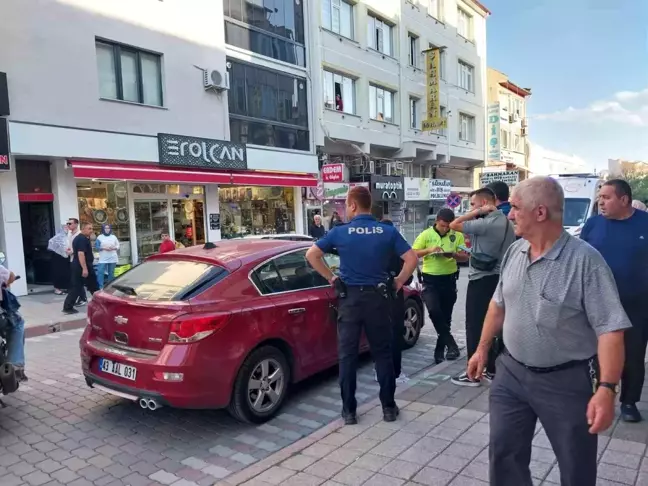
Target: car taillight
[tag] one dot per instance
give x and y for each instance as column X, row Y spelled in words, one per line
column 189, row 329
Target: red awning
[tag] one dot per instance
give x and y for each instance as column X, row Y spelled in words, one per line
column 85, row 169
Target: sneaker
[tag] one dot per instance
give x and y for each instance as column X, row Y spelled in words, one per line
column 390, row 414
column 439, row 351
column 402, row 379
column 70, row 311
column 463, row 380
column 489, row 377
column 21, row 376
column 81, row 303
column 630, row 413
column 350, row 418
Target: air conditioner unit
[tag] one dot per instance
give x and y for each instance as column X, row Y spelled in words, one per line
column 372, row 167
column 216, row 80
column 525, row 123
column 524, row 131
column 511, row 119
column 387, row 169
column 399, row 165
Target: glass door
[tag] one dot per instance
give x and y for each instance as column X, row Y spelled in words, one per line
column 151, row 220
column 188, row 222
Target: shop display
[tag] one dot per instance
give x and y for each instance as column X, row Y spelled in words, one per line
column 256, row 211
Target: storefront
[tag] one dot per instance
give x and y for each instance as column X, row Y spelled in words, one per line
column 334, row 199
column 416, row 207
column 388, row 194
column 195, row 189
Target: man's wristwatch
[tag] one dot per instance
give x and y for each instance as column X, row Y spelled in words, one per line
column 614, row 387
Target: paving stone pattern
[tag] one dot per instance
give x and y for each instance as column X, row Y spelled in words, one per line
column 440, row 439
column 56, row 430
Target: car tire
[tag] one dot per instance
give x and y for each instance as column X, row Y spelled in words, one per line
column 246, row 405
column 413, row 323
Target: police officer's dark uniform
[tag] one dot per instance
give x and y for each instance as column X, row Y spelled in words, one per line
column 365, row 247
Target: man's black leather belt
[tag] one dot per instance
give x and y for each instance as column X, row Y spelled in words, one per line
column 363, row 288
column 550, row 369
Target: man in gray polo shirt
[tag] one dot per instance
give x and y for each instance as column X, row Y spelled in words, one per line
column 558, row 307
column 490, row 236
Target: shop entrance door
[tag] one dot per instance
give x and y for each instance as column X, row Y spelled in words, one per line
column 188, row 222
column 37, row 222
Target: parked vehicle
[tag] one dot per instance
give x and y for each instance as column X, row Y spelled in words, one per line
column 581, row 196
column 230, row 325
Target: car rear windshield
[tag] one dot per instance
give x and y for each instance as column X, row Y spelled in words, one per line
column 164, row 280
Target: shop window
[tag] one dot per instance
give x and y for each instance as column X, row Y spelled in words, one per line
column 129, row 74
column 381, row 104
column 267, row 107
column 106, row 202
column 273, row 28
column 256, row 211
column 339, row 92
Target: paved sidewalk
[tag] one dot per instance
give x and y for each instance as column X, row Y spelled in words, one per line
column 43, row 314
column 440, row 439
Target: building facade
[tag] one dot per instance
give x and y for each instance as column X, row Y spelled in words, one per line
column 507, row 129
column 368, row 74
column 141, row 116
column 547, row 162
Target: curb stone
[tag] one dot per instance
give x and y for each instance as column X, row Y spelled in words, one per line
column 43, row 329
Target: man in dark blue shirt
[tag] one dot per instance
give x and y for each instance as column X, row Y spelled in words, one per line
column 502, row 194
column 620, row 234
column 365, row 247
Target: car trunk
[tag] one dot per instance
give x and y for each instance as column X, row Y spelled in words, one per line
column 137, row 324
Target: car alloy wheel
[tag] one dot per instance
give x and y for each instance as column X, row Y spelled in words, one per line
column 413, row 323
column 266, row 386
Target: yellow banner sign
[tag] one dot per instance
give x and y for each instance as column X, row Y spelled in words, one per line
column 432, row 64
column 434, row 124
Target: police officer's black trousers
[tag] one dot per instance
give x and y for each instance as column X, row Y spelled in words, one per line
column 398, row 321
column 440, row 295
column 518, row 398
column 364, row 308
column 636, row 339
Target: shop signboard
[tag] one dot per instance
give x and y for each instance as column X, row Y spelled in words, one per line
column 4, row 145
column 339, row 190
column 511, row 177
column 440, row 189
column 205, row 153
column 493, row 133
column 387, row 188
column 416, row 188
column 214, row 221
column 333, row 172
column 433, row 120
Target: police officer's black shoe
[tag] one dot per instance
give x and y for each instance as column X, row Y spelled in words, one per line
column 439, row 351
column 350, row 418
column 630, row 413
column 390, row 413
column 453, row 350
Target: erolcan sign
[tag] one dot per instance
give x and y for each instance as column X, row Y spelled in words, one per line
column 333, row 173
column 182, row 151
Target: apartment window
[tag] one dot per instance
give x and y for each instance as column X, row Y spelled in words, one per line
column 274, row 28
column 337, row 16
column 505, row 139
column 435, row 9
column 466, row 127
column 466, row 76
column 413, row 46
column 442, row 61
column 464, row 24
column 129, row 74
column 517, row 147
column 379, row 35
column 381, row 104
column 267, row 107
column 339, row 92
column 442, row 131
column 414, row 113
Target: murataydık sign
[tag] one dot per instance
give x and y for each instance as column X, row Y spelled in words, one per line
column 205, row 153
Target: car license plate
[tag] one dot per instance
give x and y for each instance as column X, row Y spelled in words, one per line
column 118, row 369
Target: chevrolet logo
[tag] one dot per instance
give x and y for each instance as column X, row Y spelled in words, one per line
column 121, row 320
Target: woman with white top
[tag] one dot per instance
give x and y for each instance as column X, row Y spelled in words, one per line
column 108, row 245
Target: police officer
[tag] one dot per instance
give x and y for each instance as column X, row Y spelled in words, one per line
column 365, row 247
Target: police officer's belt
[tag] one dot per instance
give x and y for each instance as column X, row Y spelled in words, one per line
column 363, row 288
column 550, row 369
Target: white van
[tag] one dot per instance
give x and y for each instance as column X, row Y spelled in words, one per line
column 581, row 196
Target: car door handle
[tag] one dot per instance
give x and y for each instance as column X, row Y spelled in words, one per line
column 297, row 310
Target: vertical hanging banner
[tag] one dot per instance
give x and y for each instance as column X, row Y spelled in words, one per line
column 433, row 79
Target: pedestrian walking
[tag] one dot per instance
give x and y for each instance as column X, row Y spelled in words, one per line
column 398, row 317
column 83, row 274
column 60, row 261
column 491, row 234
column 108, row 246
column 336, row 220
column 502, row 194
column 620, row 234
column 440, row 249
column 556, row 306
column 365, row 247
column 73, row 232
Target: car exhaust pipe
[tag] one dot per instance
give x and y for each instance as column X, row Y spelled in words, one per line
column 153, row 405
column 143, row 402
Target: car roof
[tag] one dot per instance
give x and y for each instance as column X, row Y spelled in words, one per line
column 232, row 254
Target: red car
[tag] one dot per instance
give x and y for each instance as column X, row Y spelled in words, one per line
column 225, row 325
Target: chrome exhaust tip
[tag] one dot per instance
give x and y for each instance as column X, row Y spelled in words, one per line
column 143, row 403
column 153, row 405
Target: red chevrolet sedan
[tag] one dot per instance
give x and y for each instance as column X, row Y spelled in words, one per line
column 226, row 325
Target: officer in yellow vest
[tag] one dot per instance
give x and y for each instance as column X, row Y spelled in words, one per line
column 441, row 249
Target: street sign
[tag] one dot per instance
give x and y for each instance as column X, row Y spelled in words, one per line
column 453, row 200
column 440, row 189
column 510, row 177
